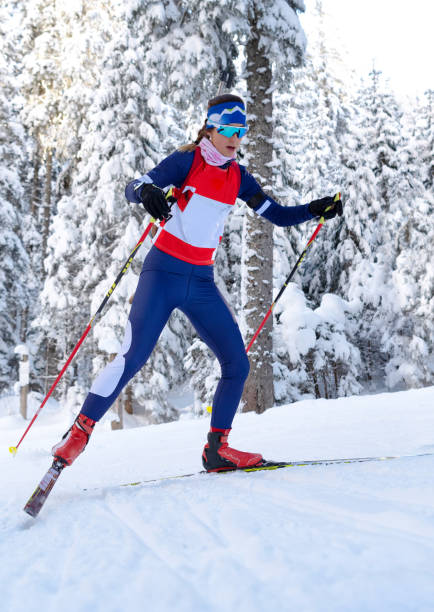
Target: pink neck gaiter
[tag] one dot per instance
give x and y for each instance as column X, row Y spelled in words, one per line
column 211, row 155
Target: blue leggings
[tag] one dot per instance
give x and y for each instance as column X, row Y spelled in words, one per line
column 167, row 283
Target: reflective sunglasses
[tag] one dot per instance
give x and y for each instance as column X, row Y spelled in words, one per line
column 230, row 130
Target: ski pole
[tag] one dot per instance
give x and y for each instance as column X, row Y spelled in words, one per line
column 291, row 274
column 13, row 449
column 285, row 284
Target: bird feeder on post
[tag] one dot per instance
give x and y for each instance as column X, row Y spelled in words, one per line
column 23, row 376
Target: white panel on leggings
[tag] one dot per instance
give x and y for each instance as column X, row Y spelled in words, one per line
column 107, row 381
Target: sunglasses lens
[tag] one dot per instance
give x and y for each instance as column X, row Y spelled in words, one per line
column 230, row 130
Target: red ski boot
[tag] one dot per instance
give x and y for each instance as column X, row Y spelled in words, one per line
column 217, row 456
column 74, row 441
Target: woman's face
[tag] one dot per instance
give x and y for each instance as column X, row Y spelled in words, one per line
column 224, row 145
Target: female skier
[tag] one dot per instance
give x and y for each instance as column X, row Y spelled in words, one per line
column 178, row 273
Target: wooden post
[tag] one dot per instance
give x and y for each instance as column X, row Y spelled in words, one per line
column 118, row 424
column 23, row 377
column 128, row 404
column 24, row 389
column 118, row 407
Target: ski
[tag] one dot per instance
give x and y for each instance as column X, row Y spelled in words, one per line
column 276, row 465
column 265, row 465
column 42, row 491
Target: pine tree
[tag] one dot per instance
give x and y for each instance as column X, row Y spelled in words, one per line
column 425, row 138
column 15, row 274
column 194, row 43
column 42, row 90
column 189, row 47
column 323, row 122
column 265, row 32
column 126, row 132
column 385, row 203
column 309, row 121
column 274, row 46
column 407, row 340
column 60, row 44
column 314, row 356
column 359, row 257
column 204, row 47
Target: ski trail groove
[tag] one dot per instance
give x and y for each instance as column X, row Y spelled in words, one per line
column 315, row 508
column 127, row 513
column 67, row 564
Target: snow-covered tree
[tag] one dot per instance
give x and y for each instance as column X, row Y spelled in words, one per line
column 318, row 105
column 314, row 356
column 41, row 86
column 123, row 135
column 15, row 273
column 424, row 137
column 310, row 121
column 274, row 46
column 106, row 91
column 384, row 197
column 409, row 330
column 407, row 337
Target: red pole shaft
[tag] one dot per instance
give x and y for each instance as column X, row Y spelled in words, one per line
column 270, row 310
column 87, row 330
column 315, row 234
column 53, row 386
column 258, row 331
column 300, row 259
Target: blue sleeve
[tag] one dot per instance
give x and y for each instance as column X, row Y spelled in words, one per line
column 170, row 171
column 267, row 207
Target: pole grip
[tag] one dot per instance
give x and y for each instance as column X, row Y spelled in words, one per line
column 335, row 199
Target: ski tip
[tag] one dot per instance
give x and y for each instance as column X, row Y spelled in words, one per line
column 30, row 511
column 13, row 450
column 209, row 409
column 337, row 196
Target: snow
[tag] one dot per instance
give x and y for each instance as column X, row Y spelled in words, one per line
column 345, row 537
column 21, row 349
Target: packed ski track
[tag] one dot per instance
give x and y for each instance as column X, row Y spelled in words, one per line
column 343, row 537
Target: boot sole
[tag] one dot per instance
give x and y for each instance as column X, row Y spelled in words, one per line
column 235, row 468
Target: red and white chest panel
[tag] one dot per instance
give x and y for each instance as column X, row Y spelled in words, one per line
column 204, row 201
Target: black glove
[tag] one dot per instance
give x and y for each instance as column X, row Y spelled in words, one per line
column 318, row 207
column 154, row 201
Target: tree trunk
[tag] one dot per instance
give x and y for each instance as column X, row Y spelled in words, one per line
column 128, row 403
column 35, row 196
column 257, row 256
column 47, row 204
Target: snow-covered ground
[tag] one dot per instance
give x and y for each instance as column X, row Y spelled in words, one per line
column 327, row 538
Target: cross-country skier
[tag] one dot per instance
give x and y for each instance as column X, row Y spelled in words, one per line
column 178, row 273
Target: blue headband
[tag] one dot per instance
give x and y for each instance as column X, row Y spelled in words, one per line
column 226, row 113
